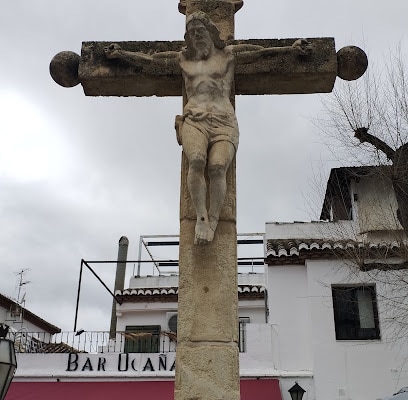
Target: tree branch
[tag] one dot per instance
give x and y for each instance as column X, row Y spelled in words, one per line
column 364, row 137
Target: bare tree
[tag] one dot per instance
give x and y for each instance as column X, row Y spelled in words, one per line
column 375, row 109
column 368, row 119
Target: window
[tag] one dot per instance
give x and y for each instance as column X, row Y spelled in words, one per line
column 355, row 313
column 142, row 339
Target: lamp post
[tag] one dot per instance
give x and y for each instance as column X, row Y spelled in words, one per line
column 296, row 392
column 8, row 362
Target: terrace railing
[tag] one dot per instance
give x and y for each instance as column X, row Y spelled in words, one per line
column 100, row 342
column 94, row 342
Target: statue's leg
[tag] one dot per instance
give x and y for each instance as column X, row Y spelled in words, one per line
column 219, row 159
column 195, row 146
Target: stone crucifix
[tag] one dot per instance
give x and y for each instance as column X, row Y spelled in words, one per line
column 208, row 69
column 208, row 128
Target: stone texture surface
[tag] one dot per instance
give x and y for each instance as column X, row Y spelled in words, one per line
column 101, row 76
column 221, row 13
column 228, row 211
column 207, row 362
column 236, row 3
column 205, row 373
column 283, row 74
column 208, row 298
column 289, row 74
column 64, row 68
column 352, row 62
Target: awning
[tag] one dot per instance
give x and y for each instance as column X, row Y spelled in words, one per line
column 260, row 389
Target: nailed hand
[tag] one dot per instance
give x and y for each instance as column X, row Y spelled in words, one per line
column 302, row 46
column 112, row 51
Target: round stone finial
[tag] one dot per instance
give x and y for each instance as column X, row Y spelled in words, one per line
column 352, row 62
column 64, row 68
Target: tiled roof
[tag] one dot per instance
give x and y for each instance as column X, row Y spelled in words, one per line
column 251, row 292
column 28, row 343
column 170, row 294
column 165, row 295
column 148, row 291
column 58, row 348
column 296, row 251
column 7, row 303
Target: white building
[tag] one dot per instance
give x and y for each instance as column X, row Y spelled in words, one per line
column 27, row 329
column 336, row 301
column 321, row 312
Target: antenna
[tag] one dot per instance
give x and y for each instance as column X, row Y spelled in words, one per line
column 20, row 284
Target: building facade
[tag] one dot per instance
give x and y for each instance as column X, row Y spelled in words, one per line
column 325, row 311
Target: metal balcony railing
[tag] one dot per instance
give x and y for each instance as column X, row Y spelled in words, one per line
column 100, row 342
column 94, row 342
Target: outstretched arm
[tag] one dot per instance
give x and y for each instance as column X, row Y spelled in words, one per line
column 250, row 53
column 364, row 137
column 138, row 58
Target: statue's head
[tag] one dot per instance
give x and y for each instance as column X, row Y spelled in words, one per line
column 201, row 19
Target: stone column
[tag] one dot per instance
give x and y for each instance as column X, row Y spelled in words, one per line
column 207, row 363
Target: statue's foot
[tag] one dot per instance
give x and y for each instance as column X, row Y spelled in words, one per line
column 213, row 223
column 203, row 232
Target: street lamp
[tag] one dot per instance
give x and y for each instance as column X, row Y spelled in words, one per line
column 296, row 392
column 8, row 363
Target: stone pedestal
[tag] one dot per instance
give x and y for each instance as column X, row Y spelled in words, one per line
column 207, row 365
column 206, row 372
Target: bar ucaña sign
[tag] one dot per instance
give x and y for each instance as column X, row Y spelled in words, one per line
column 121, row 362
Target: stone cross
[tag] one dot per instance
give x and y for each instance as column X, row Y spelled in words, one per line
column 207, row 366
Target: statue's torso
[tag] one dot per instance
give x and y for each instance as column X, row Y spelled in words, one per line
column 208, row 82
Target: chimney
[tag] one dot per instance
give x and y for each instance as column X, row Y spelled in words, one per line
column 119, row 280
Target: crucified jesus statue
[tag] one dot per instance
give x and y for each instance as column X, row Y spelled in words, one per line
column 208, row 128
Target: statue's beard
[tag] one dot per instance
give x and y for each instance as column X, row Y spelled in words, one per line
column 202, row 50
column 203, row 53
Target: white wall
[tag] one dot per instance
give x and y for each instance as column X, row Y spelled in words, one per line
column 310, row 230
column 289, row 317
column 254, row 309
column 157, row 313
column 376, row 204
column 145, row 314
column 153, row 281
column 302, row 335
column 361, row 370
column 16, row 323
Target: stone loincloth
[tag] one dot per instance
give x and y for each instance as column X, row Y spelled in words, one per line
column 216, row 127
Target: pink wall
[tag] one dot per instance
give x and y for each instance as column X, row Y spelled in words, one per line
column 261, row 389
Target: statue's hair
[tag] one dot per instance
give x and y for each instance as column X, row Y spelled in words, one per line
column 202, row 17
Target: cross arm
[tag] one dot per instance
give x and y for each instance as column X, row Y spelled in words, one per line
column 275, row 70
column 140, row 69
column 280, row 69
column 297, row 66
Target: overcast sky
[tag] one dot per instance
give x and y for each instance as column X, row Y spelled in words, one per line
column 77, row 173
